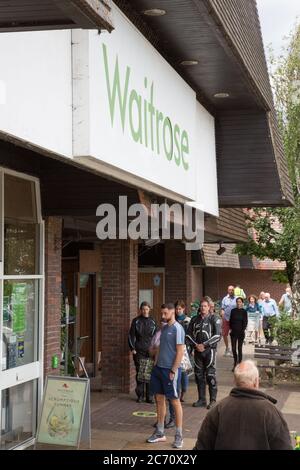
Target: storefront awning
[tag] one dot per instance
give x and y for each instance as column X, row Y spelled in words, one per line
column 37, row 15
column 218, row 50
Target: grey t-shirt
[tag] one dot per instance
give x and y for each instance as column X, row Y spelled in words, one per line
column 170, row 337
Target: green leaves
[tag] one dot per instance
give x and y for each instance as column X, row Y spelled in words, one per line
column 274, row 233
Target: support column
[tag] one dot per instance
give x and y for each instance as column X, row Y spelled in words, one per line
column 52, row 329
column 119, row 307
column 178, row 272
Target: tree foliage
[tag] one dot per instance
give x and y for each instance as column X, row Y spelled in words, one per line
column 272, row 240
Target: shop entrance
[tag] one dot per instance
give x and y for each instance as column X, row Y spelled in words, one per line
column 21, row 307
column 82, row 292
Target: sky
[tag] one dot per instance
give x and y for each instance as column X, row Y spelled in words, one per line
column 277, row 19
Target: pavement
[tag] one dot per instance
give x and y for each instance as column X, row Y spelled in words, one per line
column 116, row 427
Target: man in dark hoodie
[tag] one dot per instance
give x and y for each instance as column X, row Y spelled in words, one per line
column 246, row 420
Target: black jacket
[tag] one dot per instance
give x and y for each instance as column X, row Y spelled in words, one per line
column 205, row 331
column 238, row 321
column 141, row 332
column 246, row 420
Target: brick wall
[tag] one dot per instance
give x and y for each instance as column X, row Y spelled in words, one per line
column 178, row 272
column 119, row 307
column 252, row 281
column 52, row 330
column 197, row 290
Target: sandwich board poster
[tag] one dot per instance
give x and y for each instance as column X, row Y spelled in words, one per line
column 65, row 415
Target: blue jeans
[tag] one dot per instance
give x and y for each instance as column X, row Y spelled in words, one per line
column 184, row 381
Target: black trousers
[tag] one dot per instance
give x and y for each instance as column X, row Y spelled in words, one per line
column 237, row 341
column 268, row 330
column 205, row 373
column 142, row 388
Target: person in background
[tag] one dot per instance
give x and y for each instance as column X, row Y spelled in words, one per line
column 212, row 310
column 261, row 297
column 270, row 310
column 165, row 377
column 239, row 292
column 228, row 303
column 260, row 300
column 286, row 301
column 203, row 335
column 194, row 308
column 184, row 321
column 142, row 330
column 245, row 420
column 254, row 311
column 238, row 324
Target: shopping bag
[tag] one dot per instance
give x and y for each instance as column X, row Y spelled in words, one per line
column 186, row 364
column 145, row 368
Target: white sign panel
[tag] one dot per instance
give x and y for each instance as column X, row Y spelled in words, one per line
column 206, row 168
column 133, row 112
column 35, row 88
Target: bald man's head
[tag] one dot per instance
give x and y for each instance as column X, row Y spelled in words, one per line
column 246, row 375
column 230, row 290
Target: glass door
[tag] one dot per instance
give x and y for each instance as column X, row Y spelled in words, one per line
column 21, row 307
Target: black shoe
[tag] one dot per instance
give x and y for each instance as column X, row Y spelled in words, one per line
column 150, row 400
column 170, row 424
column 139, row 400
column 200, row 404
column 211, row 404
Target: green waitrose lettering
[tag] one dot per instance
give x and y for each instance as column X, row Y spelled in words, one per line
column 150, row 127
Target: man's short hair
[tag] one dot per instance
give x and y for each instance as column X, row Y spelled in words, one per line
column 246, row 374
column 169, row 306
column 240, row 298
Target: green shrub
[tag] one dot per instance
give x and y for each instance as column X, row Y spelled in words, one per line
column 287, row 330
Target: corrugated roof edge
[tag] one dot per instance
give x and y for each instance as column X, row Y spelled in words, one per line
column 256, row 73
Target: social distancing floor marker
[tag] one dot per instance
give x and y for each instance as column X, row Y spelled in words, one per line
column 145, row 414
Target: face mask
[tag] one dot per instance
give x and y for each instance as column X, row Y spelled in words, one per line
column 181, row 317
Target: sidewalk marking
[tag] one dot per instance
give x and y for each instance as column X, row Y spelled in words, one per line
column 145, row 414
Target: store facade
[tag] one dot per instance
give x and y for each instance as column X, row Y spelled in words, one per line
column 87, row 118
column 22, row 305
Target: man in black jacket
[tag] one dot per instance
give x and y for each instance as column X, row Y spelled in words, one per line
column 142, row 330
column 246, row 420
column 203, row 334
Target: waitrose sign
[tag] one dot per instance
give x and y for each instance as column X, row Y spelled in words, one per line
column 134, row 114
column 140, row 116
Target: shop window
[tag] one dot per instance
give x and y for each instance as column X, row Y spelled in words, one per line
column 20, row 308
column 18, row 414
column 21, row 229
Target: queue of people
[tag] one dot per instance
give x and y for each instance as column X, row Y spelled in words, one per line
column 163, row 349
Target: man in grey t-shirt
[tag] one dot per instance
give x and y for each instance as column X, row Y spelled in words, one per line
column 166, row 375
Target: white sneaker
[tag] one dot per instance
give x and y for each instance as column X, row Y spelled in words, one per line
column 156, row 437
column 178, row 442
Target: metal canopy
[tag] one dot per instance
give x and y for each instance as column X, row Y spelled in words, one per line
column 31, row 15
column 225, row 38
